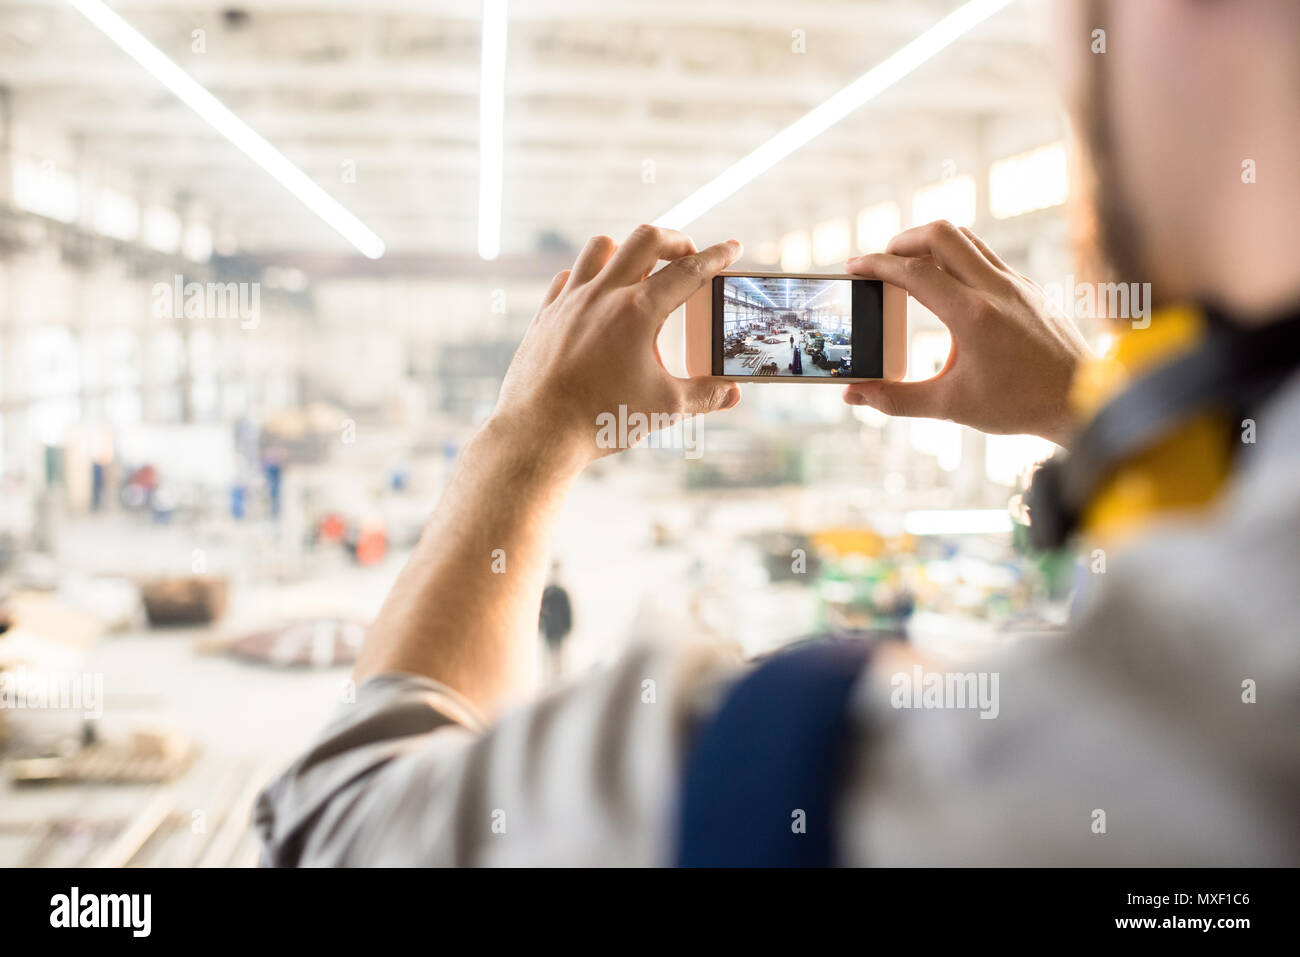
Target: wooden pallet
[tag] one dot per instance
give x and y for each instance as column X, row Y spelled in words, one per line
column 161, row 830
column 103, row 763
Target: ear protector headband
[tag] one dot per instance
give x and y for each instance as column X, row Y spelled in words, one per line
column 1165, row 438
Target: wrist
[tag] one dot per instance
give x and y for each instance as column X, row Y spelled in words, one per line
column 535, row 446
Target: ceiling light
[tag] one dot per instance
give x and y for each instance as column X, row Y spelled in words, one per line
column 243, row 136
column 491, row 120
column 821, row 118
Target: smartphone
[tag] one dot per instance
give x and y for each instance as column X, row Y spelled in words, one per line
column 796, row 327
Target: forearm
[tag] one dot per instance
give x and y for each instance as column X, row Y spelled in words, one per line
column 464, row 609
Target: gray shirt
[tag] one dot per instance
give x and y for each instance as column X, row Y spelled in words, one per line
column 1161, row 729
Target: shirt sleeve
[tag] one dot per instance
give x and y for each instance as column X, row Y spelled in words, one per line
column 407, row 775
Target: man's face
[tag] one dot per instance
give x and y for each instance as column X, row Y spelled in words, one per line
column 1148, row 85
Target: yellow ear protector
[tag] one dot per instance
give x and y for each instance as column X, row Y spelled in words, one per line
column 1163, row 412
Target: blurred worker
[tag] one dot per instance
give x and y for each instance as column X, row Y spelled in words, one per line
column 1160, row 730
column 555, row 623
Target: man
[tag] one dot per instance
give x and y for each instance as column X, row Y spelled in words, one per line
column 1161, row 730
column 555, row 622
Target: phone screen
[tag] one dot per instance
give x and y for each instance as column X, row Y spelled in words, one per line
column 798, row 327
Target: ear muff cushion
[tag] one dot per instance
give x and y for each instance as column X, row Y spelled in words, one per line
column 1180, row 474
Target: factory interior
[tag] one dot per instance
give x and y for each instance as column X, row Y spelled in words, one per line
column 770, row 323
column 252, row 306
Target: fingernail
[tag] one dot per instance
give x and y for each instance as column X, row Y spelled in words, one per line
column 854, row 398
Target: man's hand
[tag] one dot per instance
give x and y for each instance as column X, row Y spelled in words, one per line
column 591, row 346
column 464, row 609
column 1012, row 358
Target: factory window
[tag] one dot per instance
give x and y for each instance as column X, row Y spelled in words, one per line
column 46, row 190
column 831, row 242
column 162, row 229
column 937, row 438
column 51, row 361
column 166, row 356
column 796, row 252
column 122, row 358
column 3, row 359
column 769, row 253
column 116, row 214
column 50, row 419
column 927, row 354
column 1028, row 181
column 204, row 401
column 202, row 354
column 877, row 225
column 952, row 199
column 197, row 242
column 1008, row 458
column 123, row 408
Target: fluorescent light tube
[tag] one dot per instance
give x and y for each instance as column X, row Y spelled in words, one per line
column 231, row 127
column 821, row 118
column 491, row 119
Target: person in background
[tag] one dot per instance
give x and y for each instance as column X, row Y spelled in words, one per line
column 555, row 623
column 1159, row 730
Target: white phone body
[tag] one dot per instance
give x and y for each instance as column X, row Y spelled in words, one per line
column 701, row 337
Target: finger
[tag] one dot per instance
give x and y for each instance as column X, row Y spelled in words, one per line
column 925, row 399
column 924, row 281
column 642, row 251
column 557, row 284
column 950, row 248
column 669, row 287
column 985, row 251
column 707, row 394
column 591, row 260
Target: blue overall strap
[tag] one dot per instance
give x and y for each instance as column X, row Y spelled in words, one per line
column 774, row 749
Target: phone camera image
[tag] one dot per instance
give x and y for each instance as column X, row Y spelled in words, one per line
column 797, row 327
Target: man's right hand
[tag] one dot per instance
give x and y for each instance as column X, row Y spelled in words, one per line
column 592, row 348
column 1012, row 357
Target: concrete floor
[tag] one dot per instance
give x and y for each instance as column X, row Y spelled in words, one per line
column 780, row 352
column 642, row 558
column 249, row 719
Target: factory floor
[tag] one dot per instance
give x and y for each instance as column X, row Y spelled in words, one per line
column 782, row 353
column 627, row 557
column 643, row 557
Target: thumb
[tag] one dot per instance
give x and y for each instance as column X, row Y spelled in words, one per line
column 707, row 394
column 913, row 399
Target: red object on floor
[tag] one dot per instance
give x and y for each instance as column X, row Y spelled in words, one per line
column 371, row 546
column 331, row 528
